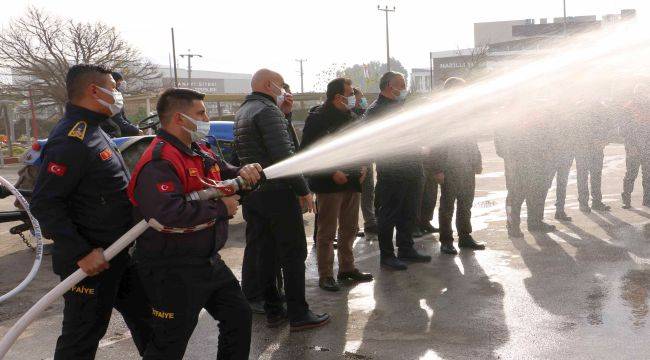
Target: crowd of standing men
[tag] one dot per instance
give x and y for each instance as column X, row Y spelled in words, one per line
column 85, row 198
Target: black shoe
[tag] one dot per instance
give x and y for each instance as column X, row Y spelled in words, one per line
column 393, row 263
column 371, row 229
column 361, row 234
column 515, row 232
column 599, row 206
column 276, row 318
column 309, row 321
column 329, row 284
column 410, row 254
column 355, row 276
column 448, row 248
column 627, row 201
column 562, row 216
column 428, row 228
column 417, row 233
column 257, row 306
column 585, row 208
column 468, row 242
column 541, row 227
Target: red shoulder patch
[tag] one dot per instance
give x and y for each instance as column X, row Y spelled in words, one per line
column 165, row 187
column 106, row 154
column 56, row 169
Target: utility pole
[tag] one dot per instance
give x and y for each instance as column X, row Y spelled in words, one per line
column 302, row 74
column 564, row 24
column 386, row 10
column 174, row 57
column 431, row 71
column 189, row 66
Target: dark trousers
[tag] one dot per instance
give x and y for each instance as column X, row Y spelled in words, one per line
column 179, row 292
column 525, row 182
column 251, row 281
column 634, row 161
column 89, row 304
column 274, row 226
column 396, row 204
column 458, row 189
column 428, row 199
column 589, row 165
column 561, row 171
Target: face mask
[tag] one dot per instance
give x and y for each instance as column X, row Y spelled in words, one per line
column 279, row 99
column 363, row 103
column 118, row 101
column 402, row 95
column 351, row 102
column 202, row 128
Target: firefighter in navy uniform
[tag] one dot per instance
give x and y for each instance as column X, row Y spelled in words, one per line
column 80, row 200
column 180, row 267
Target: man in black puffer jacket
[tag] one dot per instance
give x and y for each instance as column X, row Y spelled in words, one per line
column 274, row 226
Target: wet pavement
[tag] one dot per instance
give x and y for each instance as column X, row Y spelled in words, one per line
column 582, row 292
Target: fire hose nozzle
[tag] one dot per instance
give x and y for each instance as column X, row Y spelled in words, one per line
column 222, row 189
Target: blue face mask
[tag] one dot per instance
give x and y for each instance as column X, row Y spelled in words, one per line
column 363, row 103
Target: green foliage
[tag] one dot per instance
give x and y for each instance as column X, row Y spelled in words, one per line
column 356, row 73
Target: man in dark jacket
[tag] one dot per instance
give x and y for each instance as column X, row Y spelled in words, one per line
column 398, row 184
column 528, row 171
column 591, row 138
column 635, row 129
column 273, row 213
column 119, row 125
column 462, row 163
column 337, row 192
column 80, row 199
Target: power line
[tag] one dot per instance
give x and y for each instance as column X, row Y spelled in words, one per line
column 189, row 56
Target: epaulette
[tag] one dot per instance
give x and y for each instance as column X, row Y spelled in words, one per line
column 157, row 151
column 78, row 130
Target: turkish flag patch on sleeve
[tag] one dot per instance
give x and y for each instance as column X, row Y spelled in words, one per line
column 56, row 169
column 106, row 154
column 165, row 187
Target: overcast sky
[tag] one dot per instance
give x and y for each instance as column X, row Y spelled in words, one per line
column 242, row 36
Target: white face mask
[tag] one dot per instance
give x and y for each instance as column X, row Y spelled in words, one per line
column 351, row 102
column 118, row 101
column 202, row 128
column 402, row 95
column 279, row 99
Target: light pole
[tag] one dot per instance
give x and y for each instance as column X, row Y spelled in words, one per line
column 431, row 71
column 189, row 66
column 386, row 10
column 564, row 24
column 302, row 74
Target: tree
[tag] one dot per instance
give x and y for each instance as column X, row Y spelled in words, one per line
column 38, row 49
column 364, row 76
column 475, row 61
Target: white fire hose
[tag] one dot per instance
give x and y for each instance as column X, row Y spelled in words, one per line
column 220, row 189
column 37, row 235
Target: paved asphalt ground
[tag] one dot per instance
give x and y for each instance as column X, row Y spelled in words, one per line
column 579, row 293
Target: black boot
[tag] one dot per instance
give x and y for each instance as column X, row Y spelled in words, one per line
column 329, row 284
column 448, row 248
column 276, row 317
column 309, row 321
column 354, row 276
column 468, row 242
column 514, row 231
column 428, row 228
column 410, row 254
column 561, row 215
column 541, row 227
column 585, row 208
column 393, row 263
column 627, row 200
column 417, row 233
column 600, row 206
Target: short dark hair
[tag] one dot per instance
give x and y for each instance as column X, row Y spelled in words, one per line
column 172, row 99
column 454, row 82
column 337, row 87
column 117, row 76
column 80, row 76
column 386, row 78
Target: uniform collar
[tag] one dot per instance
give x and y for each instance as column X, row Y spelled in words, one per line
column 175, row 142
column 75, row 112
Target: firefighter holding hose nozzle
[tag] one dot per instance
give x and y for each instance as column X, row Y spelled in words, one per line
column 178, row 185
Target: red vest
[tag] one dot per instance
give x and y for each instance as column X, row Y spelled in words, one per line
column 188, row 168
